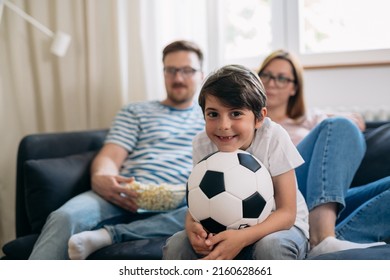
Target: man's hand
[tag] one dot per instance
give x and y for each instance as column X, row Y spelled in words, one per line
column 105, row 179
column 112, row 189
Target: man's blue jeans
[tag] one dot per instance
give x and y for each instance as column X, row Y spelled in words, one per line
column 89, row 211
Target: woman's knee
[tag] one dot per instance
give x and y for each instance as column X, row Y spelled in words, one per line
column 343, row 128
column 343, row 125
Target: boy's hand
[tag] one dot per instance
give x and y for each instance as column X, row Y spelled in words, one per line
column 227, row 245
column 197, row 236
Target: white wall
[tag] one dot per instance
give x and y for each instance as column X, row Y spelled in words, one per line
column 362, row 88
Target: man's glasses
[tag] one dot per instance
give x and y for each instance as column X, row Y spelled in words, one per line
column 185, row 72
column 280, row 81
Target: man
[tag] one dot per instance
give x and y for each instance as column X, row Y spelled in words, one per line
column 150, row 141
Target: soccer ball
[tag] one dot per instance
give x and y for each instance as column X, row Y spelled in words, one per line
column 229, row 190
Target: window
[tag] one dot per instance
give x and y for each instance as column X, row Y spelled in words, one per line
column 340, row 26
column 344, row 32
column 321, row 32
column 247, row 28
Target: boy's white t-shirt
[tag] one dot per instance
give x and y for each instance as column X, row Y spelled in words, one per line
column 274, row 148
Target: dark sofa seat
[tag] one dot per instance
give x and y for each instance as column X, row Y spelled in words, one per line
column 381, row 252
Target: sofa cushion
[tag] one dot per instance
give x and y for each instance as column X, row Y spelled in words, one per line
column 49, row 183
column 381, row 252
column 144, row 249
column 376, row 162
column 20, row 248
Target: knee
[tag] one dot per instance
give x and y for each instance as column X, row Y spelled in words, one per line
column 343, row 128
column 342, row 124
column 178, row 247
column 275, row 248
column 62, row 219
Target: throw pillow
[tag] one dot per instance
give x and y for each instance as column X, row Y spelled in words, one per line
column 49, row 183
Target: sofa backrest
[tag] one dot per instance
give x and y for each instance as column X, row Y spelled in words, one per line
column 40, row 154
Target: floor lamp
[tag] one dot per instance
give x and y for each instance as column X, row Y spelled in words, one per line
column 61, row 40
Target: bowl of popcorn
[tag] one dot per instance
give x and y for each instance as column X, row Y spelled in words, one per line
column 158, row 197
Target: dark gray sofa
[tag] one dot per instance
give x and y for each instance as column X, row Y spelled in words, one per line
column 53, row 167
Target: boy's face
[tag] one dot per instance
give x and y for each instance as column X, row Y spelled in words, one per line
column 230, row 128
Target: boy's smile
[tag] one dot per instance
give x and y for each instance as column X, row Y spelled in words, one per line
column 230, row 129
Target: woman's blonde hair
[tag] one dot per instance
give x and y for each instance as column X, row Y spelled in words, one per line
column 296, row 103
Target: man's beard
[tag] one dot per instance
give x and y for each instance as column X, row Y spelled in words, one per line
column 174, row 98
column 179, row 100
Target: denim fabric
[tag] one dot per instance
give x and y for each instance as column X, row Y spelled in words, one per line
column 289, row 244
column 160, row 225
column 89, row 211
column 366, row 216
column 83, row 212
column 332, row 152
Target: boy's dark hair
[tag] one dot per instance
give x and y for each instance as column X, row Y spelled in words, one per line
column 236, row 87
column 183, row 45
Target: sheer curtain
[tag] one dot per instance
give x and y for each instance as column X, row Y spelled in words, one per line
column 114, row 58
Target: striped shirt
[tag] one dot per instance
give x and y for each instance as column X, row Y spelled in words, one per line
column 158, row 139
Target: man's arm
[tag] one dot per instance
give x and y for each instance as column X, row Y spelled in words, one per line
column 105, row 178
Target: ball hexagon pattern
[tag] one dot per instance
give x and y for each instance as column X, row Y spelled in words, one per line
column 229, row 190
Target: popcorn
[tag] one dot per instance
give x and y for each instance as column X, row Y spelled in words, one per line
column 155, row 197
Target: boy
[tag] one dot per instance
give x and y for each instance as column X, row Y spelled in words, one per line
column 233, row 103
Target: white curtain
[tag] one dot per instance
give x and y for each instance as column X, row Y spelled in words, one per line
column 114, row 58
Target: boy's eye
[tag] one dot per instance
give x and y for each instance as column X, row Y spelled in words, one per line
column 236, row 114
column 212, row 114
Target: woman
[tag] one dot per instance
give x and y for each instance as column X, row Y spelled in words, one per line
column 332, row 147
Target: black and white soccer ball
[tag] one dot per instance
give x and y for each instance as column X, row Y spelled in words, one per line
column 229, row 190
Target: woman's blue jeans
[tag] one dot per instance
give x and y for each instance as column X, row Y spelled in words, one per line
column 332, row 152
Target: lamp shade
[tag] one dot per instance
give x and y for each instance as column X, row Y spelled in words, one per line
column 60, row 44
